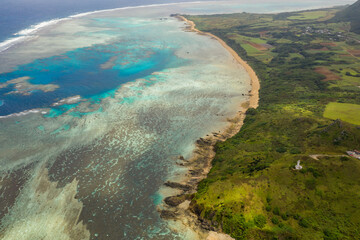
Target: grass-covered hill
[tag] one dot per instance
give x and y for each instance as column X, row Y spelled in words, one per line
column 351, row 14
column 309, row 70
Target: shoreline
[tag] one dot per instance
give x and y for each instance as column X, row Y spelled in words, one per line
column 178, row 208
column 27, row 33
column 254, row 80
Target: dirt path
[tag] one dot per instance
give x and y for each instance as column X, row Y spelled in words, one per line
column 317, row 156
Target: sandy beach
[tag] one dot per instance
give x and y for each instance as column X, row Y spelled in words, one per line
column 200, row 163
column 176, row 102
column 255, row 83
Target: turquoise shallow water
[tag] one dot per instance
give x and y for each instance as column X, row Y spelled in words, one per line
column 93, row 124
column 94, row 113
column 81, row 72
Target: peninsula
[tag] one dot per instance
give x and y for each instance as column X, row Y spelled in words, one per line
column 306, row 61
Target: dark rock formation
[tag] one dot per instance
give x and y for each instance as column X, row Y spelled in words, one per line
column 174, row 201
column 166, row 214
column 181, row 186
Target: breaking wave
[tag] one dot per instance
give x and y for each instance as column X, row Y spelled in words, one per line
column 42, row 111
column 28, row 33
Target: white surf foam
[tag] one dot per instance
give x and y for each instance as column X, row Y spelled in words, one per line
column 24, row 113
column 68, row 100
column 11, row 42
column 34, row 28
column 27, row 33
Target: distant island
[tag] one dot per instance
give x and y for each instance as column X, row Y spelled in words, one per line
column 287, row 174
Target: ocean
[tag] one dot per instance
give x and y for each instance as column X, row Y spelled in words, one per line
column 16, row 15
column 96, row 110
column 19, row 15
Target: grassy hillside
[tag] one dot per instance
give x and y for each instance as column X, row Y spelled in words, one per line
column 345, row 111
column 253, row 190
column 351, row 14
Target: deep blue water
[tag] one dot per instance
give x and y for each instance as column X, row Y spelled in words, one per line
column 130, row 150
column 79, row 72
column 16, row 15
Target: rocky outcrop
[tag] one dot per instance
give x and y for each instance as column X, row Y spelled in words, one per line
column 175, row 201
column 176, row 185
column 167, row 214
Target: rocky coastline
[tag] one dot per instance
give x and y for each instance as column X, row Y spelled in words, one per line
column 179, row 207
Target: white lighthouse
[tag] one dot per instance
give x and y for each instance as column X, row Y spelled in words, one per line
column 298, row 166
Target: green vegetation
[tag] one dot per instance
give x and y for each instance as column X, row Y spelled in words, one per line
column 309, row 15
column 253, row 190
column 351, row 14
column 344, row 111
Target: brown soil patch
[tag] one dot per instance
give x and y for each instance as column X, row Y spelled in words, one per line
column 329, row 44
column 327, row 17
column 263, row 34
column 231, row 35
column 257, row 46
column 321, row 49
column 355, row 53
column 330, row 76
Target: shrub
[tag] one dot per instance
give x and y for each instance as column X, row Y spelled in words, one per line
column 314, row 172
column 281, row 149
column 268, row 208
column 275, row 220
column 251, row 111
column 304, row 223
column 276, row 211
column 285, row 216
column 332, row 234
column 260, row 221
column 295, row 151
column 235, row 225
column 296, row 216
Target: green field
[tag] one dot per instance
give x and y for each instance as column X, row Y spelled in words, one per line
column 345, row 111
column 253, row 191
column 310, row 15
